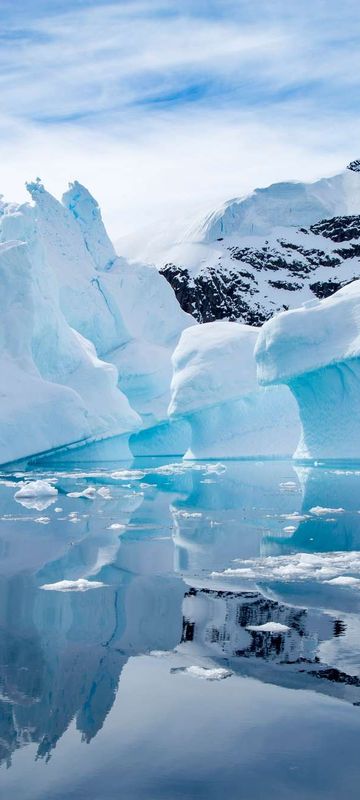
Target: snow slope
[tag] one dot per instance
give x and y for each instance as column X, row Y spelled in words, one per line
column 272, row 250
column 315, row 351
column 215, row 388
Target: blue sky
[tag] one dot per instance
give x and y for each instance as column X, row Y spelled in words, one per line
column 167, row 107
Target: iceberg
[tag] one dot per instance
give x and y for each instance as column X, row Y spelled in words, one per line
column 127, row 310
column 86, row 338
column 215, row 389
column 55, row 391
column 315, row 350
column 139, row 297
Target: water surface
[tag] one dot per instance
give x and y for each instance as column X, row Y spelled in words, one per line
column 198, row 635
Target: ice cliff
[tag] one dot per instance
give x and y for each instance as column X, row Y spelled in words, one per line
column 215, row 388
column 315, row 351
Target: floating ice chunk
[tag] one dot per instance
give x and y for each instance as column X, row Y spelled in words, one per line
column 38, row 488
column 289, row 486
column 320, row 510
column 89, row 493
column 104, row 492
column 58, row 510
column 80, row 585
column 128, row 474
column 116, row 526
column 42, row 520
column 269, row 627
column 187, row 514
column 205, row 673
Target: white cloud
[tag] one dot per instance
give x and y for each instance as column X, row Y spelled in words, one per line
column 259, row 92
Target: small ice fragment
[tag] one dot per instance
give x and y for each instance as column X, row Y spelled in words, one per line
column 288, row 486
column 81, row 585
column 116, row 526
column 42, row 520
column 89, row 493
column 128, row 474
column 319, row 510
column 187, row 514
column 104, row 492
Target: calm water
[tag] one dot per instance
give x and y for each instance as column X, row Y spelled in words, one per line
column 214, row 651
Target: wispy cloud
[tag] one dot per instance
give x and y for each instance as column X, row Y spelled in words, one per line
column 164, row 105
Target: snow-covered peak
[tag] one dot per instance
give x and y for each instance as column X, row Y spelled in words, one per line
column 282, row 204
column 86, row 211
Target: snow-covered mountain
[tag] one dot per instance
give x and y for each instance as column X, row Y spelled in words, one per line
column 272, row 250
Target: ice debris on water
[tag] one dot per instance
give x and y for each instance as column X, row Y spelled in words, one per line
column 80, row 585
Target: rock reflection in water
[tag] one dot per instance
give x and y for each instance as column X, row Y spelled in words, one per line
column 271, row 641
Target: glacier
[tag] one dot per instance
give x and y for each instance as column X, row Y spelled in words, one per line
column 215, row 388
column 85, row 338
column 315, row 351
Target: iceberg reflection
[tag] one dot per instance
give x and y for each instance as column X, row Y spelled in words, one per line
column 163, row 546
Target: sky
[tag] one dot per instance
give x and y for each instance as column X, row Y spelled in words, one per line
column 166, row 108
